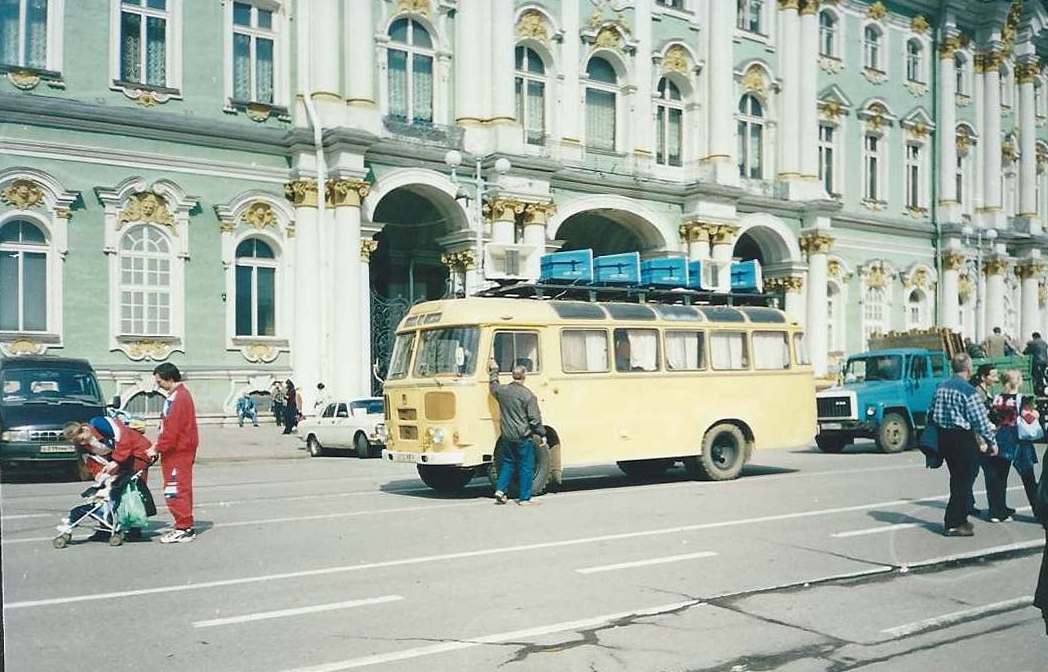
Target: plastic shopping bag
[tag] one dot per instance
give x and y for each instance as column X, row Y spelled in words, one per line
column 132, row 510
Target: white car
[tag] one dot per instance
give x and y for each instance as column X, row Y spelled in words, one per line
column 355, row 424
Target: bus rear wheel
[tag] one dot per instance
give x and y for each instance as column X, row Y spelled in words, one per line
column 539, row 481
column 445, row 479
column 645, row 468
column 724, row 452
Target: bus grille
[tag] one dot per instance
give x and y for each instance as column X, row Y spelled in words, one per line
column 409, row 433
column 834, row 407
column 46, row 435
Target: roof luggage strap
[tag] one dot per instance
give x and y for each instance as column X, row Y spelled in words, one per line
column 596, row 294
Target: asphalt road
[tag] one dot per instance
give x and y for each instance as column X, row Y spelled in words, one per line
column 808, row 562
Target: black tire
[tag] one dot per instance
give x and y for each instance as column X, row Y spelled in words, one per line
column 445, row 479
column 894, row 433
column 539, row 482
column 724, row 452
column 831, row 444
column 362, row 447
column 314, row 447
column 643, row 469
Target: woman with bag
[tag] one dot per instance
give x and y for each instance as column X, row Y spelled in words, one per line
column 1015, row 448
column 292, row 407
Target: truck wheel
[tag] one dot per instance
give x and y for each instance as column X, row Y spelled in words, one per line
column 643, row 469
column 723, row 454
column 540, row 480
column 445, row 479
column 831, row 444
column 893, row 435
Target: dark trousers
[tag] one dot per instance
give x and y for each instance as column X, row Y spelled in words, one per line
column 290, row 418
column 996, row 470
column 516, row 456
column 961, row 453
column 1030, row 486
column 278, row 413
column 1040, row 377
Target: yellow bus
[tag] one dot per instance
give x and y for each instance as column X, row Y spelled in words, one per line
column 645, row 385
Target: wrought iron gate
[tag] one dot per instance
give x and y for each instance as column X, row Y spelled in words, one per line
column 386, row 314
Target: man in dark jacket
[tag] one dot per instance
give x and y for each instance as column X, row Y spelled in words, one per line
column 1037, row 349
column 520, row 422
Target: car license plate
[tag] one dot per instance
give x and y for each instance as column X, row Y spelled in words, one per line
column 57, row 449
column 831, row 425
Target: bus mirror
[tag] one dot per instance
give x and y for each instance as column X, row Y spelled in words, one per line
column 115, row 403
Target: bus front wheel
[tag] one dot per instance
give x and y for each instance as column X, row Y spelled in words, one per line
column 724, row 450
column 445, row 479
column 540, row 480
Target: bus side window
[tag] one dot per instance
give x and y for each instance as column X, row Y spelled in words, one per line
column 685, row 350
column 771, row 350
column 636, row 350
column 512, row 348
column 584, row 350
column 729, row 351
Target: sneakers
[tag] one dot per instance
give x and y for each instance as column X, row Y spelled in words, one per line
column 177, row 536
column 1001, row 519
column 500, row 497
column 965, row 530
column 527, row 502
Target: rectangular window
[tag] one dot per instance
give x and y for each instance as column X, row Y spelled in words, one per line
column 267, row 302
column 23, row 33
column 244, row 301
column 513, row 348
column 254, row 37
column 451, row 351
column 685, row 350
column 826, row 158
column 584, row 350
column 729, row 351
column 913, row 176
column 771, row 350
column 600, row 119
column 143, row 42
column 400, row 362
column 531, row 109
column 872, row 166
column 959, row 185
column 636, row 350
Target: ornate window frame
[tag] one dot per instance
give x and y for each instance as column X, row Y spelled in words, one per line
column 26, row 77
column 525, row 76
column 622, row 89
column 255, row 110
column 677, row 63
column 270, row 218
column 765, row 18
column 756, row 79
column 876, row 275
column 920, row 278
column 536, row 29
column 441, row 51
column 838, row 274
column 33, row 195
column 962, row 64
column 148, row 94
column 126, row 205
column 874, row 53
column 918, row 127
column 877, row 120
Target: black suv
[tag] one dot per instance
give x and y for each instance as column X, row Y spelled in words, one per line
column 37, row 396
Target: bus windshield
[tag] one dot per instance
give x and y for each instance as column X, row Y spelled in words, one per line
column 885, row 367
column 53, row 385
column 448, row 351
column 401, row 359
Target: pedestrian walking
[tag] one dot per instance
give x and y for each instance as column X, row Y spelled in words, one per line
column 983, row 381
column 996, row 343
column 520, row 422
column 1013, row 451
column 1037, row 349
column 321, row 401
column 279, row 397
column 292, row 406
column 177, row 445
column 246, row 409
column 974, row 350
column 962, row 420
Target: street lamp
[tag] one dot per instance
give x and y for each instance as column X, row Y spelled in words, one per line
column 481, row 188
column 979, row 235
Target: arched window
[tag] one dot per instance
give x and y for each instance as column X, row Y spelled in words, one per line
column 874, row 312
column 145, row 282
column 914, row 61
column 256, row 287
column 410, row 60
column 916, row 310
column 23, row 277
column 960, row 73
column 750, row 16
column 601, row 101
column 669, row 124
column 751, row 137
column 827, row 34
column 145, row 405
column 872, row 48
column 531, row 95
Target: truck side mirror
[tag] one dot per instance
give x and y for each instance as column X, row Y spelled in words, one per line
column 115, row 403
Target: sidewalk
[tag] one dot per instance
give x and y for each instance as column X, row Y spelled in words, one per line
column 240, row 444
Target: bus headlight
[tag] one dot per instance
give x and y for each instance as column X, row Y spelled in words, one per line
column 437, row 435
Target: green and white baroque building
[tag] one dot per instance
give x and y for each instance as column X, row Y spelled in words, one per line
column 160, row 163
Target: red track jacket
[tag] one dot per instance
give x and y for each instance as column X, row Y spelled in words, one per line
column 178, row 430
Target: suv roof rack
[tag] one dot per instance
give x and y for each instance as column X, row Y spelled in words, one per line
column 599, row 293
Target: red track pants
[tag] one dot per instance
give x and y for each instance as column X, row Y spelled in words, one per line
column 178, row 468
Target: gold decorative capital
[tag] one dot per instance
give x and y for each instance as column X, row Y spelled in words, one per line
column 532, row 25
column 463, row 260
column 695, row 232
column 721, row 234
column 791, row 284
column 919, row 24
column 23, row 194
column 948, row 47
column 1030, row 268
column 786, row 5
column 995, row 266
column 301, row 193
column 417, row 6
column 346, row 192
column 1027, row 71
column 877, row 11
column 147, row 207
column 367, row 248
column 815, row 242
column 538, row 213
column 953, row 260
column 676, row 59
column 810, row 7
column 503, row 208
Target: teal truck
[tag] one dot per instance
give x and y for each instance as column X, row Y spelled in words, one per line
column 884, row 394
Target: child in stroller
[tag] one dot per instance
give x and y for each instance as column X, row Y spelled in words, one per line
column 117, row 457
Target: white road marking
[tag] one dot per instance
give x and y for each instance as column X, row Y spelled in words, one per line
column 90, row 597
column 875, row 530
column 20, row 516
column 956, row 617
column 283, row 613
column 499, row 638
column 645, row 563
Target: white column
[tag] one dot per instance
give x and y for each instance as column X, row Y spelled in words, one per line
column 994, row 305
column 306, row 337
column 470, row 61
column 504, row 220
column 949, row 289
column 817, row 244
column 571, row 106
column 367, row 246
column 346, row 297
column 359, row 27
column 790, row 121
column 947, row 135
column 795, row 301
column 1025, row 74
column 1030, row 271
column 697, row 239
column 643, row 115
column 326, row 72
column 536, row 215
column 719, row 72
column 504, row 107
column 976, row 152
column 722, row 244
column 808, row 72
column 991, row 134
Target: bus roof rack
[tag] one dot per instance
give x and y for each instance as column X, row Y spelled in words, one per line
column 599, row 293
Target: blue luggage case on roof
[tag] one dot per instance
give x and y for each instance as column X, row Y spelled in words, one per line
column 665, row 272
column 695, row 276
column 617, row 269
column 574, row 266
column 746, row 277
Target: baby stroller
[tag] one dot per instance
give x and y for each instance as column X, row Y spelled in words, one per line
column 102, row 505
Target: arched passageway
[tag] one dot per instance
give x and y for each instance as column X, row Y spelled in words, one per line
column 609, row 231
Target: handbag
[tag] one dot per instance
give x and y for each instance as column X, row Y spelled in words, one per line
column 1028, row 431
column 131, row 512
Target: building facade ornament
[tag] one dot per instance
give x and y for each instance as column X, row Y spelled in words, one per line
column 146, row 207
column 953, row 260
column 301, row 193
column 367, row 248
column 791, row 284
column 415, row 6
column 876, row 275
column 695, row 232
column 995, row 266
column 259, row 215
column 260, row 353
column 539, row 213
column 676, row 60
column 147, row 349
column 949, row 46
column 1027, row 71
column 346, row 192
column 965, row 288
column 831, row 110
column 463, row 260
column 23, row 79
column 815, row 242
column 810, row 7
column 503, row 208
column 876, row 11
column 919, row 24
column 786, row 5
column 608, row 38
column 831, row 65
column 754, row 81
column 22, row 346
column 23, row 194
column 918, row 278
column 1030, row 268
column 532, row 26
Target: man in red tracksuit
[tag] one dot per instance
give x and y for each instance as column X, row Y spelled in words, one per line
column 177, row 445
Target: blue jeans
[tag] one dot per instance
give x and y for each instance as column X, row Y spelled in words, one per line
column 250, row 415
column 516, row 456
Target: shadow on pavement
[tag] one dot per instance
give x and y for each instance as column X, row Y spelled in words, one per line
column 896, row 518
column 862, row 447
